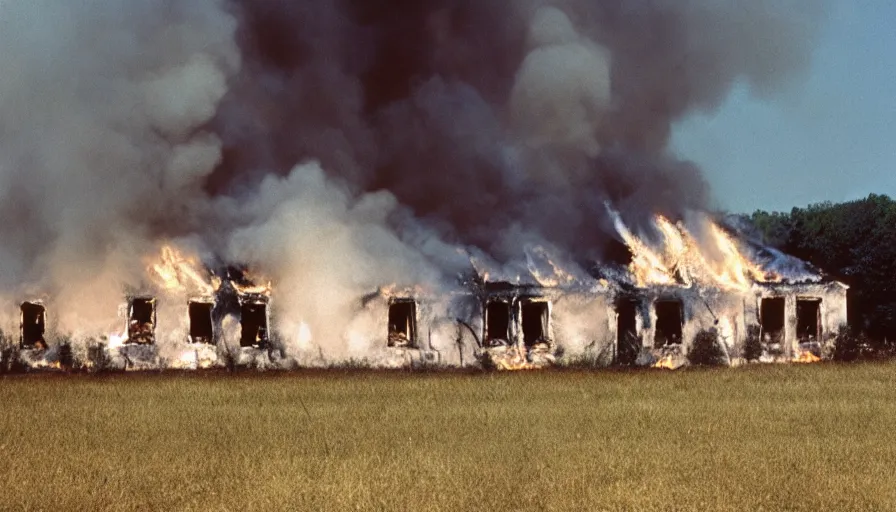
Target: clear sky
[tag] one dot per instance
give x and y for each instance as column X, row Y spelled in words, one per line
column 831, row 136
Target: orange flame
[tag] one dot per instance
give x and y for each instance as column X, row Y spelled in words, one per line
column 176, row 272
column 806, row 356
column 647, row 267
column 666, row 363
column 736, row 270
column 555, row 276
column 255, row 289
column 260, row 285
column 53, row 365
column 681, row 260
column 395, row 290
column 514, row 360
column 515, row 366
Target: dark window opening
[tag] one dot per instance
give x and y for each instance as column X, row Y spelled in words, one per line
column 142, row 321
column 402, row 324
column 627, row 342
column 669, row 322
column 34, row 317
column 497, row 318
column 254, row 325
column 771, row 318
column 536, row 320
column 201, row 330
column 808, row 320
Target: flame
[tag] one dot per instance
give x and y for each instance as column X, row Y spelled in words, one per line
column 192, row 360
column 396, row 290
column 514, row 360
column 735, row 269
column 647, row 267
column 117, row 340
column 187, row 360
column 176, row 272
column 681, row 259
column 666, row 363
column 515, row 366
column 806, row 356
column 43, row 364
column 254, row 289
column 552, row 274
column 305, row 337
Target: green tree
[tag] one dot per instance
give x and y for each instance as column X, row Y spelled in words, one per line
column 855, row 242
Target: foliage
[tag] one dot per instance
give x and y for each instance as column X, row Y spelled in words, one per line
column 8, row 352
column 847, row 346
column 629, row 347
column 97, row 358
column 753, row 343
column 855, row 242
column 707, row 350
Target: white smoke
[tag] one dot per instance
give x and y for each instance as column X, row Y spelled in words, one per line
column 117, row 119
column 562, row 89
column 103, row 149
column 325, row 250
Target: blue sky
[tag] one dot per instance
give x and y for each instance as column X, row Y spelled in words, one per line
column 831, row 136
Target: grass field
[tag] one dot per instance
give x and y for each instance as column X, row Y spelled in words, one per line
column 819, row 437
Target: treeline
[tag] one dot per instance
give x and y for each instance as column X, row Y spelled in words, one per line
column 854, row 242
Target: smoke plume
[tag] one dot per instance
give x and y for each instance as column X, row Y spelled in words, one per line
column 345, row 144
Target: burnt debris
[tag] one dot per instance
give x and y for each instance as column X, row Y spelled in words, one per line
column 402, row 323
column 201, row 323
column 536, row 318
column 497, row 320
column 254, row 323
column 808, row 320
column 34, row 318
column 771, row 319
column 628, row 344
column 141, row 320
column 669, row 323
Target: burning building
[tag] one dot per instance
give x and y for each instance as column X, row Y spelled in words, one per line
column 684, row 284
column 648, row 313
column 186, row 316
column 439, row 198
column 524, row 317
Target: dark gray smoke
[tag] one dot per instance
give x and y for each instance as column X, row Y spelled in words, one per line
column 489, row 118
column 489, row 124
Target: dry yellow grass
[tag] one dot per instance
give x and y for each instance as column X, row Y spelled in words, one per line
column 821, row 437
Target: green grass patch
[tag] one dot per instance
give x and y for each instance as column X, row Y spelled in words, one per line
column 816, row 437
